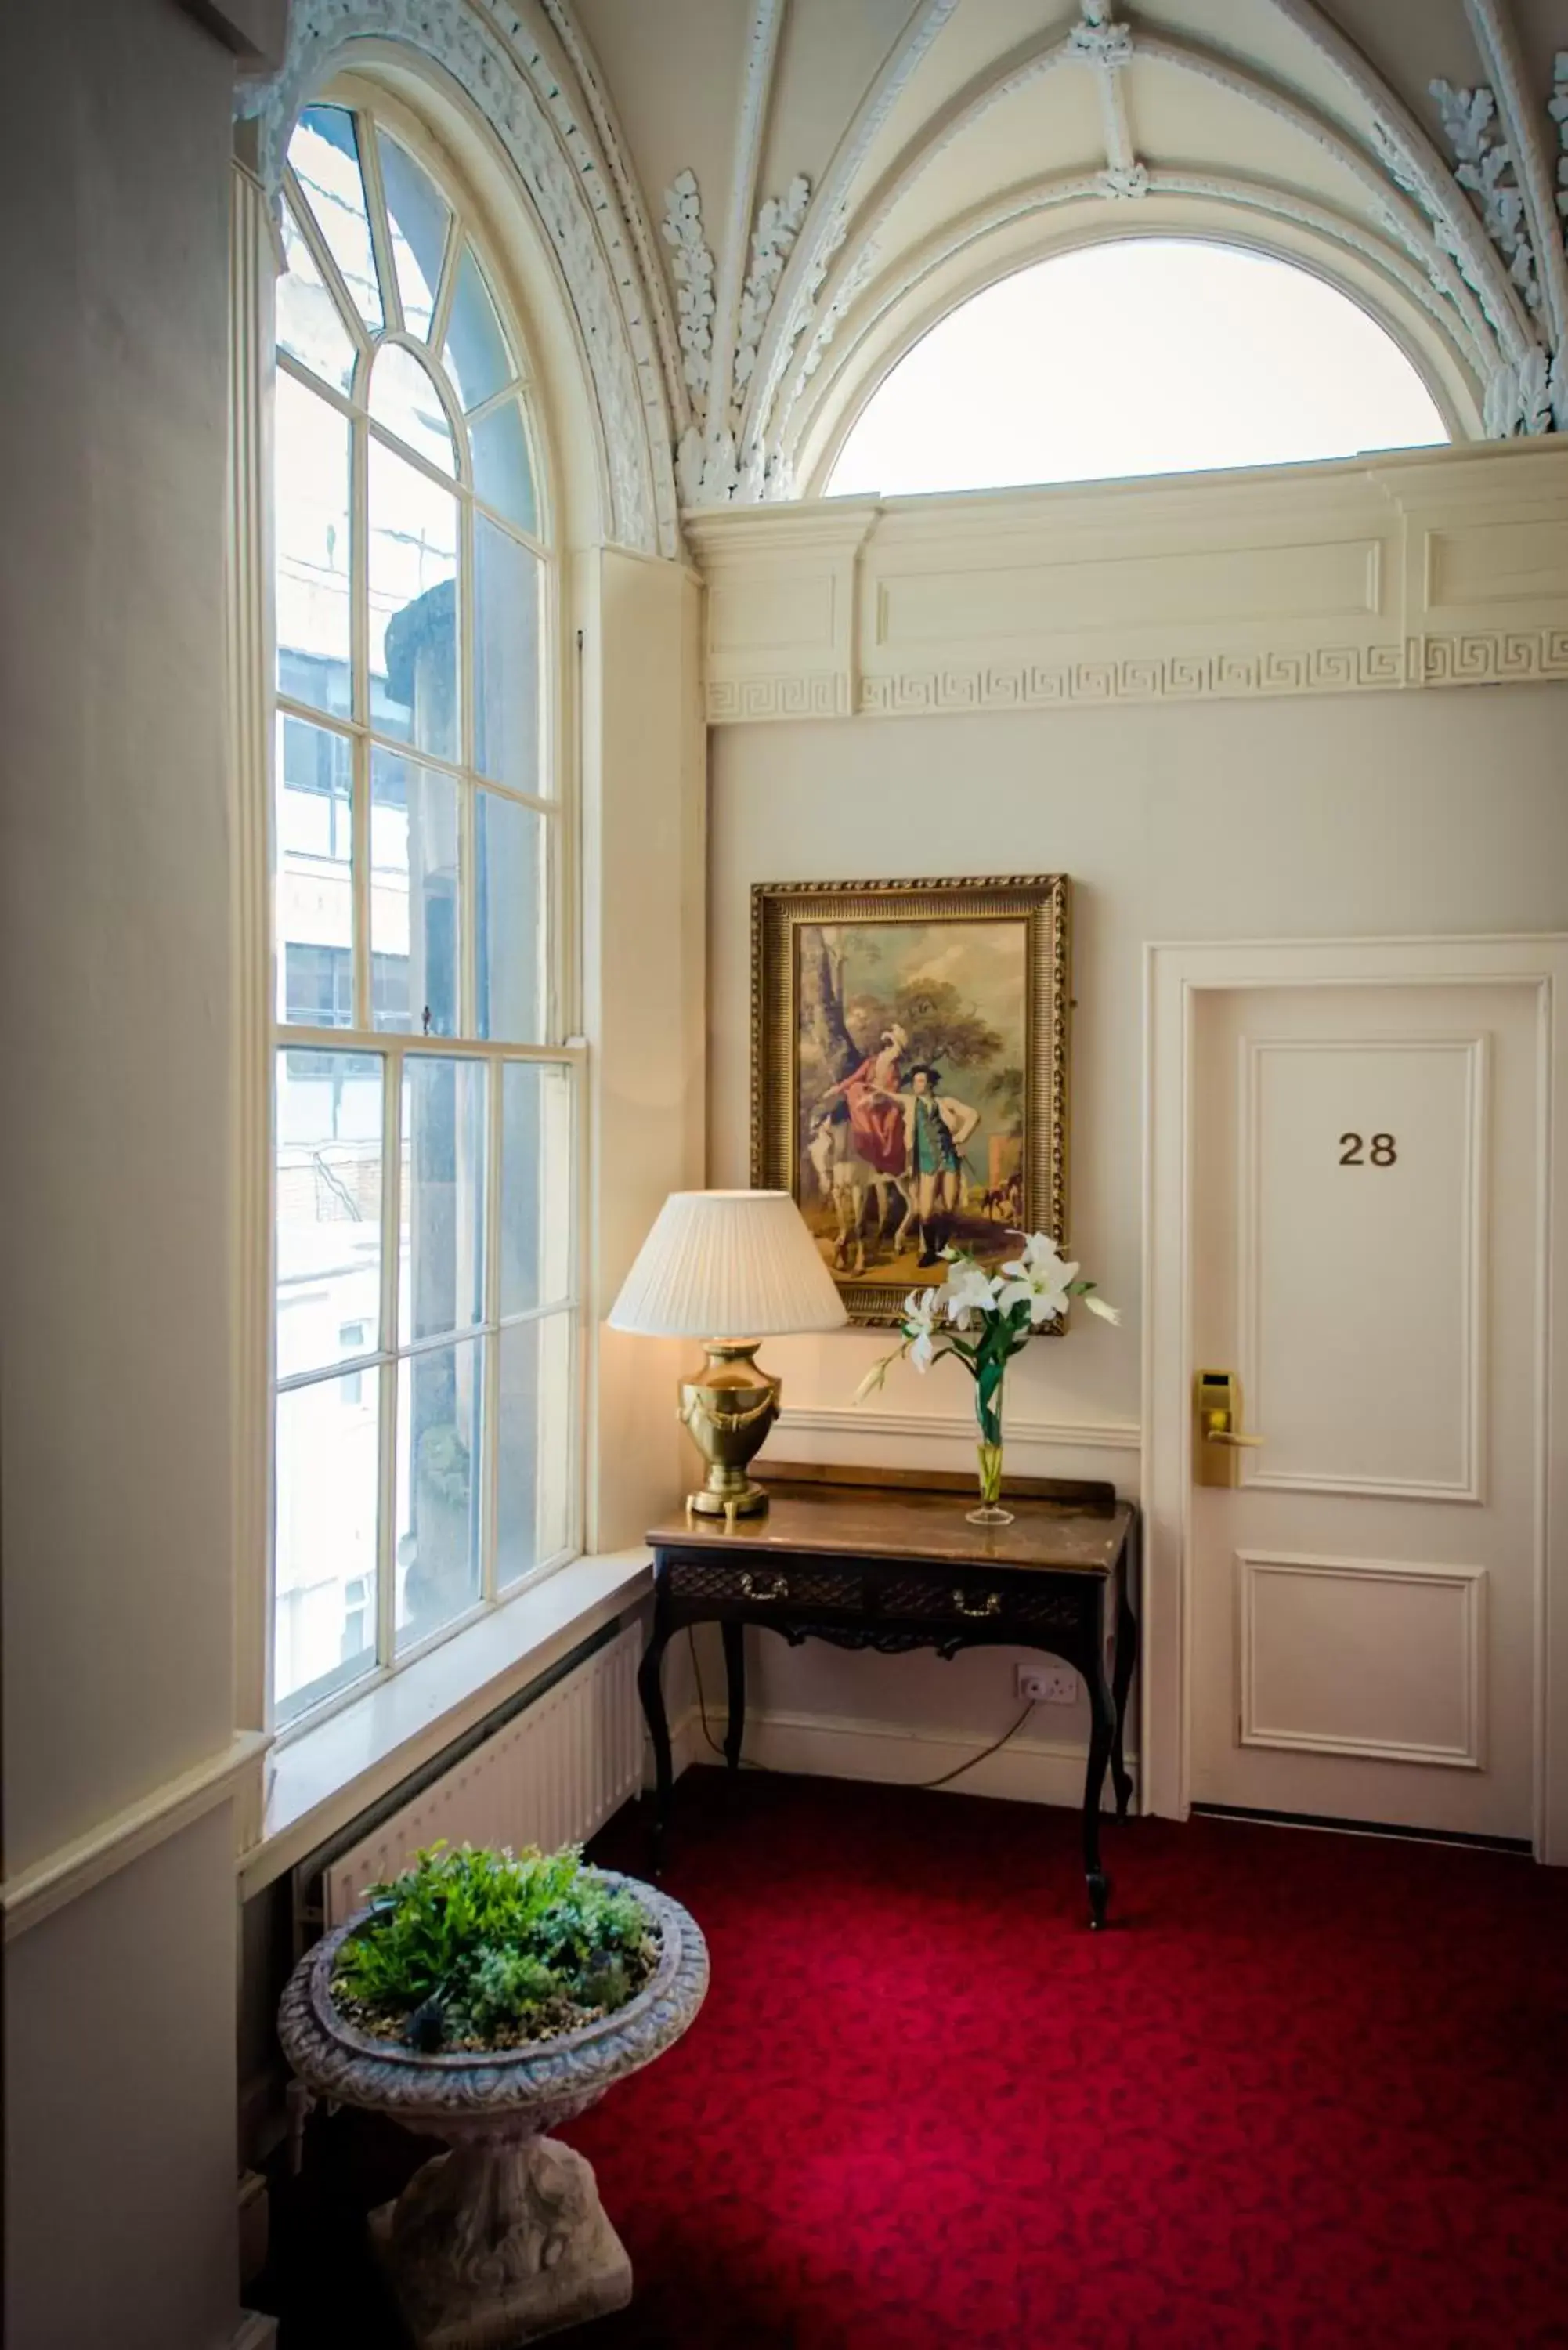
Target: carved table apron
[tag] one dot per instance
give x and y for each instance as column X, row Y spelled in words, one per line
column 886, row 1560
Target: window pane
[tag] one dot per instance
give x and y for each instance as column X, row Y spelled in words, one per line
column 441, row 1279
column 329, row 1207
column 535, row 1186
column 313, row 892
column 416, row 216
column 323, row 1606
column 308, row 320
column 404, row 398
column 507, row 660
column 503, row 469
column 414, row 897
column 326, row 159
column 476, row 356
column 534, row 1497
column 509, row 849
column 413, row 603
column 311, row 522
column 440, row 1413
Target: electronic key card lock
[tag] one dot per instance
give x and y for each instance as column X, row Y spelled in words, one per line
column 1217, row 1442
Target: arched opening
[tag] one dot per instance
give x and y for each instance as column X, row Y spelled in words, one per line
column 1135, row 356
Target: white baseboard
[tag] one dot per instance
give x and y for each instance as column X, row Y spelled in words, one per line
column 834, row 1746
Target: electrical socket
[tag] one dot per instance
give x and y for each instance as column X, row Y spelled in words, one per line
column 1048, row 1684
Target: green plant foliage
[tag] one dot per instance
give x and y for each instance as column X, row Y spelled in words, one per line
column 477, row 1948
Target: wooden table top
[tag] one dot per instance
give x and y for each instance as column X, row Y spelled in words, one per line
column 1056, row 1527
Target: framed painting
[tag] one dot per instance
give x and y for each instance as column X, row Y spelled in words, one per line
column 909, row 1048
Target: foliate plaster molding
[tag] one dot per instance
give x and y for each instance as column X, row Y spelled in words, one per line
column 778, row 224
column 1484, row 165
column 792, row 313
column 490, row 52
column 1123, row 181
column 1098, row 41
column 1557, row 107
column 607, row 131
column 691, row 267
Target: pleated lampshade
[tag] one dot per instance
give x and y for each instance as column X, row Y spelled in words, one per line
column 728, row 1265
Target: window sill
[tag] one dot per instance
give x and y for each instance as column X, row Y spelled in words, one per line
column 323, row 1778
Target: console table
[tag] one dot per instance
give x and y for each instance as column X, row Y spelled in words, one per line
column 885, row 1560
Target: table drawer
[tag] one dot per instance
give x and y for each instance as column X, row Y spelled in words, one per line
column 978, row 1599
column 764, row 1586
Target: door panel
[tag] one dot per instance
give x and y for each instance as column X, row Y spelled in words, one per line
column 1363, row 1604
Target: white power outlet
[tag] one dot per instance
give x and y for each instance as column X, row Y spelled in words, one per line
column 1048, row 1684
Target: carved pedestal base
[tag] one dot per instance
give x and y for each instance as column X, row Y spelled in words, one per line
column 492, row 2245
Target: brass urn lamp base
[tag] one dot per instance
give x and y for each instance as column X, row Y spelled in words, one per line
column 727, row 1408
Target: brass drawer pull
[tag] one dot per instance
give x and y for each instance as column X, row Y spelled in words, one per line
column 992, row 1605
column 780, row 1589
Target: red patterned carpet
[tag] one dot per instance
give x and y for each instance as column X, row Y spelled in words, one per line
column 1310, row 2091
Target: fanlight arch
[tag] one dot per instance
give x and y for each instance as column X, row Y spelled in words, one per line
column 1267, row 298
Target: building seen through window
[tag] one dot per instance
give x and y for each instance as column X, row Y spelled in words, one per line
column 425, row 1331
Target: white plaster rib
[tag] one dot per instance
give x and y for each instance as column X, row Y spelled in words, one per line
column 751, row 131
column 1498, row 40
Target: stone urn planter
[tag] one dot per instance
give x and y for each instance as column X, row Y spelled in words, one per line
column 504, row 2238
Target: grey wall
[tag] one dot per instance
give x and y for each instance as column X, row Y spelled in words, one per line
column 114, row 1237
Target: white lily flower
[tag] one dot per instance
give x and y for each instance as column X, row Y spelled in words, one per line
column 1042, row 1285
column 1098, row 1306
column 919, row 1310
column 968, row 1292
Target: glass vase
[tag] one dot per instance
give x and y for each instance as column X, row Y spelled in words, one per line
column 988, row 1454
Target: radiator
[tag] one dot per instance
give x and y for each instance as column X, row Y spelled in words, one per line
column 550, row 1776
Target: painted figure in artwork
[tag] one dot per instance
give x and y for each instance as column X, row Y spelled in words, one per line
column 936, row 1127
column 879, row 1008
column 870, row 1095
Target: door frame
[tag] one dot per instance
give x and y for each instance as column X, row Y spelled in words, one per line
column 1176, row 976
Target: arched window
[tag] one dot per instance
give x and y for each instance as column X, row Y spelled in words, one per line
column 1135, row 356
column 425, row 1336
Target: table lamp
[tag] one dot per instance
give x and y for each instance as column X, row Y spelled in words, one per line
column 731, row 1268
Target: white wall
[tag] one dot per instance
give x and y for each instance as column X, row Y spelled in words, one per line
column 1366, row 814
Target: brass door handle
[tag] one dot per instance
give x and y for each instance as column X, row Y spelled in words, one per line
column 1228, row 1436
column 753, row 1591
column 992, row 1605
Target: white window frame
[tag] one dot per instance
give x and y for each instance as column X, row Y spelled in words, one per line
column 559, row 814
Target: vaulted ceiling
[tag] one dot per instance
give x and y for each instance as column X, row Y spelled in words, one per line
column 758, row 205
column 827, row 177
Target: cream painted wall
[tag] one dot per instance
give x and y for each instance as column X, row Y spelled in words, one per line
column 1372, row 814
column 114, row 1235
column 644, row 953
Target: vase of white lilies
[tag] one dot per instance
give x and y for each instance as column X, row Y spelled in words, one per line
column 985, row 1319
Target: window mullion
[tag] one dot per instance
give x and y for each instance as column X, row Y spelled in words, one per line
column 359, row 650
column 467, row 804
column 490, row 1424
column 375, row 211
column 391, row 1265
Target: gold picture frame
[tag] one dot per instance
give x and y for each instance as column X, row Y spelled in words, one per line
column 862, row 1007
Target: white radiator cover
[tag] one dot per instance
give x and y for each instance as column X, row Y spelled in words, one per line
column 550, row 1776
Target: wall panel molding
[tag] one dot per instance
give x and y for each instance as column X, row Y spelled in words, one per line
column 1441, row 567
column 847, row 1420
column 1448, row 1640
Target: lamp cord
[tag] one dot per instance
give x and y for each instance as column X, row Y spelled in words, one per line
column 921, row 1787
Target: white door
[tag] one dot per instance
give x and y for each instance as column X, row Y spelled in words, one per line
column 1363, row 1223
